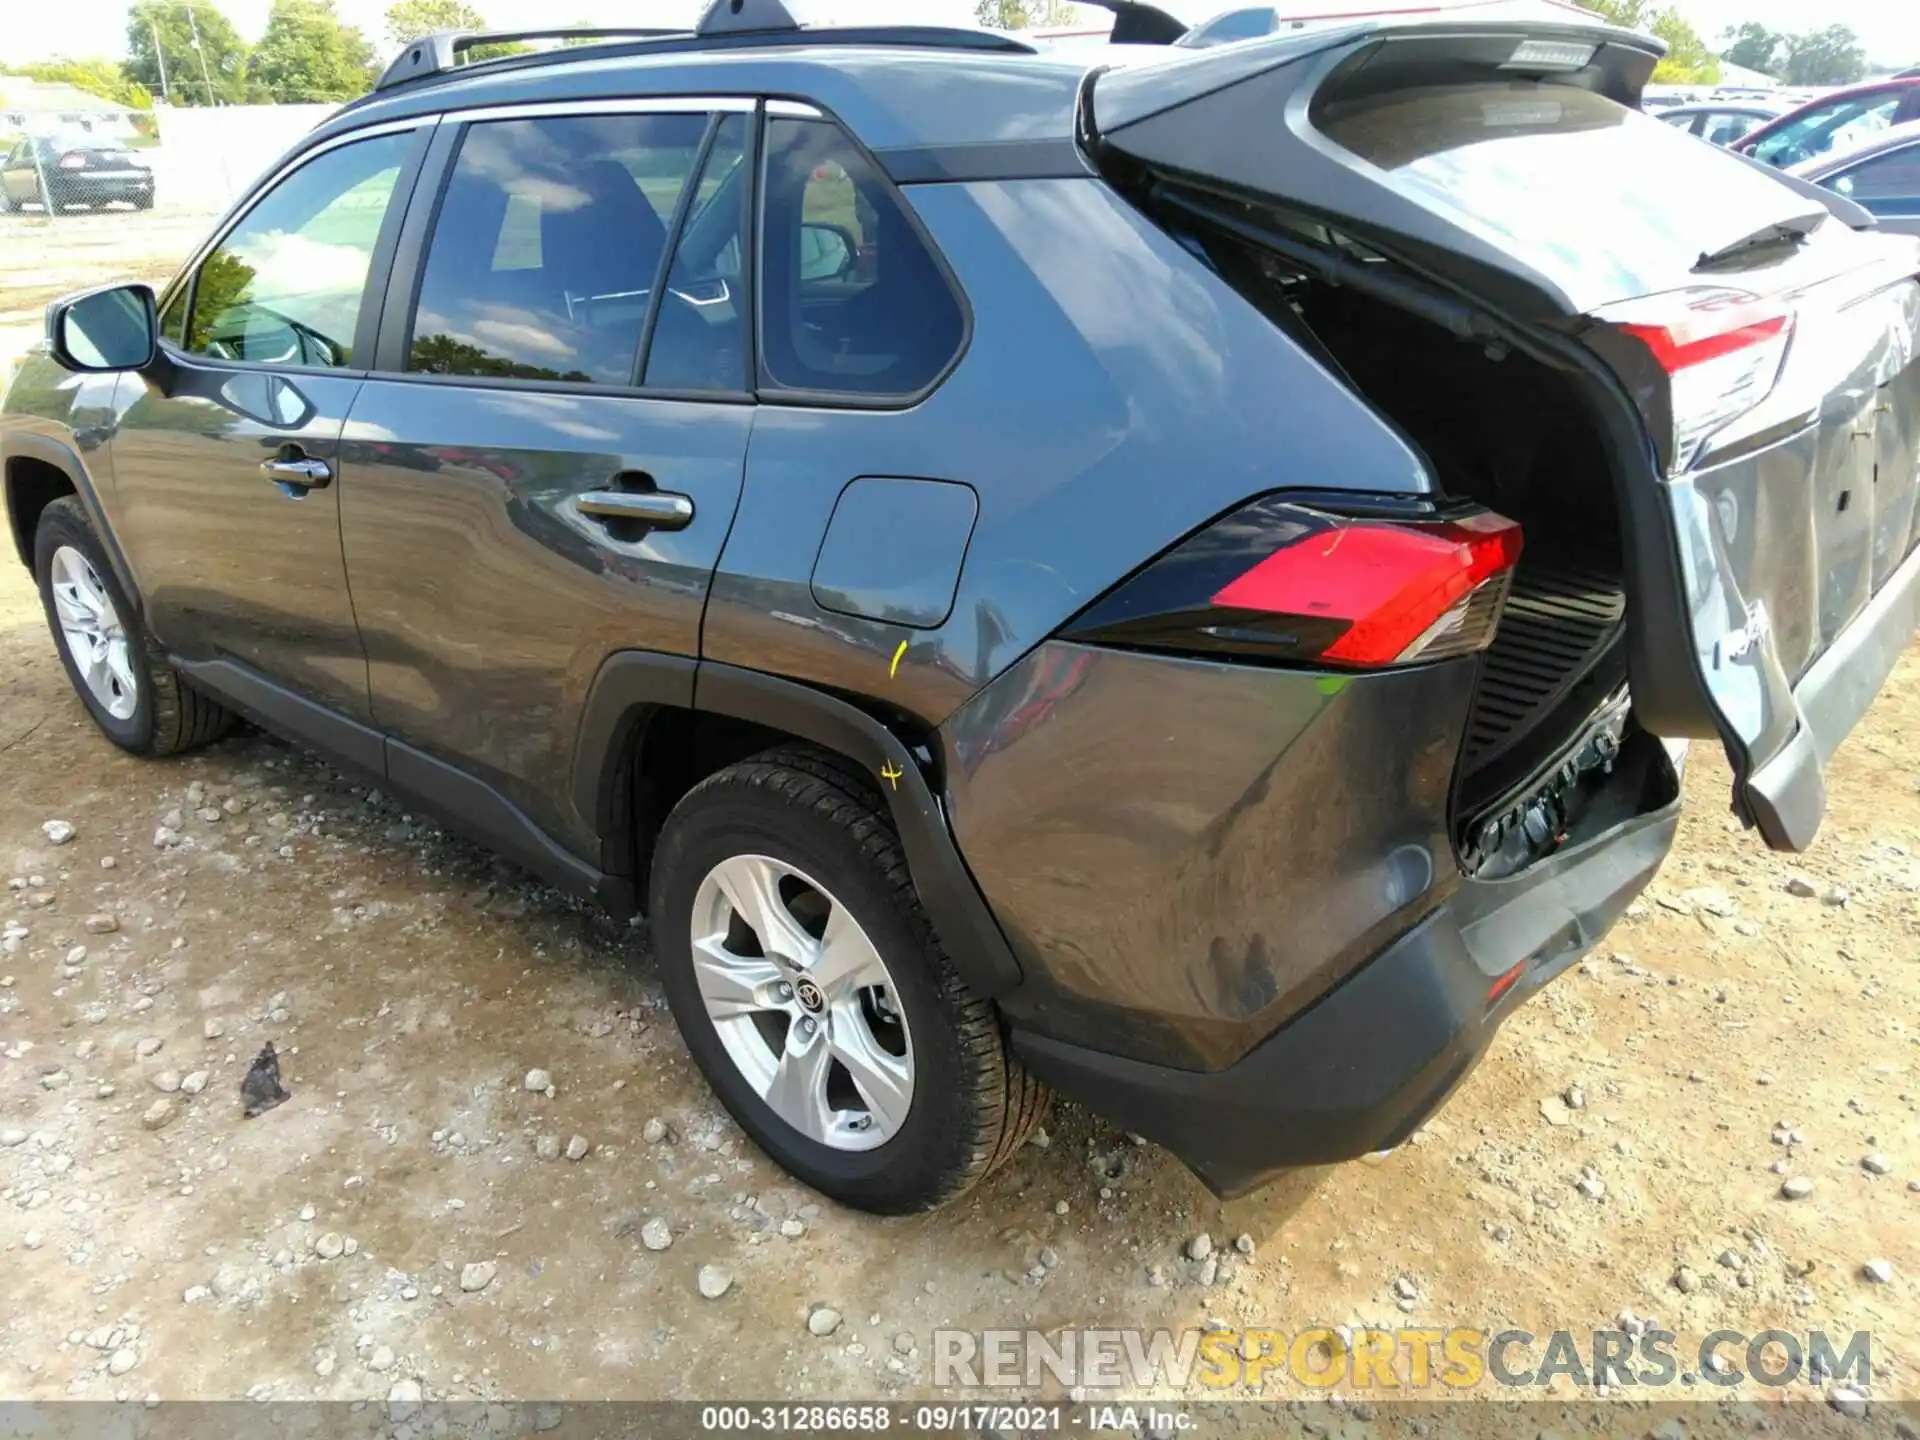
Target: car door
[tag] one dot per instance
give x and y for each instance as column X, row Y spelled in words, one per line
column 546, row 465
column 1888, row 184
column 226, row 451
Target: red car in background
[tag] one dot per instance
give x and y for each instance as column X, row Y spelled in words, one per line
column 1837, row 120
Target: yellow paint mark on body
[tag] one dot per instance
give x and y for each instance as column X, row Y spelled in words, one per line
column 891, row 773
column 894, row 668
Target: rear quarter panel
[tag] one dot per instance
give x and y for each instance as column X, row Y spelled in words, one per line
column 1114, row 396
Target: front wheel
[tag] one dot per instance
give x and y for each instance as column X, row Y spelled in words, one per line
column 122, row 676
column 815, row 997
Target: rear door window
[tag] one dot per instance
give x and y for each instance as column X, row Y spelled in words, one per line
column 853, row 301
column 549, row 237
column 1562, row 178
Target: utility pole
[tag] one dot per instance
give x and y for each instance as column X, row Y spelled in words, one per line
column 160, row 58
column 194, row 26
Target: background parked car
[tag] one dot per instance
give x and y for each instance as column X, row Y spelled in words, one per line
column 55, row 171
column 1720, row 121
column 1836, row 121
column 1882, row 174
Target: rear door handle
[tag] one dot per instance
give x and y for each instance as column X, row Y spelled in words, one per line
column 300, row 470
column 660, row 509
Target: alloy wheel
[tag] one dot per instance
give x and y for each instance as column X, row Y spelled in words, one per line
column 802, row 1002
column 96, row 637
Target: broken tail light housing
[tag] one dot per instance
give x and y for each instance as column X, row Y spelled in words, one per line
column 1712, row 355
column 1283, row 581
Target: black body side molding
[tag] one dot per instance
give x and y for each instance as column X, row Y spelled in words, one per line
column 467, row 804
column 18, row 446
column 972, row 937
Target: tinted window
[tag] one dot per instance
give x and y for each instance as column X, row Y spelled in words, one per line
column 544, row 253
column 851, row 301
column 1835, row 125
column 1894, row 176
column 1238, row 25
column 699, row 339
column 285, row 286
column 1559, row 177
column 1724, row 129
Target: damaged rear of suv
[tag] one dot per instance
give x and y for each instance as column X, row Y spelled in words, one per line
column 1404, row 747
column 1188, row 584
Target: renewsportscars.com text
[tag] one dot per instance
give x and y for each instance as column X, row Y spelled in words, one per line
column 1407, row 1360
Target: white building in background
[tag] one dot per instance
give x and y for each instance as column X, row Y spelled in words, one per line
column 33, row 107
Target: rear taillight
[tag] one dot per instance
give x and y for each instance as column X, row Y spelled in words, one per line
column 72, row 160
column 1283, row 581
column 1717, row 354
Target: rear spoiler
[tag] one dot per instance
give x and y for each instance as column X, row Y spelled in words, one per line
column 1136, row 23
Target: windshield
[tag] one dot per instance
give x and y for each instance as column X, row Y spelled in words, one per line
column 1602, row 200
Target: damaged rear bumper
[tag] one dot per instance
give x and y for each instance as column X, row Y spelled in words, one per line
column 1367, row 1064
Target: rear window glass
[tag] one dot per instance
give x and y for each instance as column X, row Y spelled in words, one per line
column 1602, row 200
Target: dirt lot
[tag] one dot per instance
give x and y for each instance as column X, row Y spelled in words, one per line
column 1731, row 1035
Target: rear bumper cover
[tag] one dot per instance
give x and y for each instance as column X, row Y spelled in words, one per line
column 1788, row 793
column 1367, row 1064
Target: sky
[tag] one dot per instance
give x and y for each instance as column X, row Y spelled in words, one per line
column 35, row 30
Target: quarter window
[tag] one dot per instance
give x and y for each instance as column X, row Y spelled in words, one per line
column 549, row 237
column 852, row 301
column 286, row 285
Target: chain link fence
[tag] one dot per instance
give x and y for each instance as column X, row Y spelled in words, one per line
column 83, row 207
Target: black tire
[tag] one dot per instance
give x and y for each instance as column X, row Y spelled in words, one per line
column 973, row 1104
column 143, row 201
column 169, row 715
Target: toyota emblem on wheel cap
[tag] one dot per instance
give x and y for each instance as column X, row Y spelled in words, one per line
column 810, row 995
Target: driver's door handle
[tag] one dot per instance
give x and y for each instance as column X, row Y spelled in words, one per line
column 660, row 509
column 300, row 470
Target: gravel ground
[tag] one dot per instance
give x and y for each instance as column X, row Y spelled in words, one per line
column 425, row 1214
column 424, row 1209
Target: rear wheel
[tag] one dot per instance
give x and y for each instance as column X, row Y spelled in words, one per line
column 118, row 670
column 815, row 997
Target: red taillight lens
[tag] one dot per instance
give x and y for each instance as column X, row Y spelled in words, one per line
column 1718, row 353
column 1281, row 581
column 72, row 160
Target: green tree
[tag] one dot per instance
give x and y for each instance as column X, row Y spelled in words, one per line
column 408, row 20
column 1752, row 47
column 306, row 54
column 211, row 72
column 1688, row 61
column 97, row 77
column 1824, row 57
column 1019, row 14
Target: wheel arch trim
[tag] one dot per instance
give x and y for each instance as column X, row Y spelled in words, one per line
column 17, row 445
column 632, row 684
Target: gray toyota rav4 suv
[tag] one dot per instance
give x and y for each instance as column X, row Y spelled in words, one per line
column 1175, row 576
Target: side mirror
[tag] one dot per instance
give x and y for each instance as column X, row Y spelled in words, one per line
column 827, row 252
column 113, row 328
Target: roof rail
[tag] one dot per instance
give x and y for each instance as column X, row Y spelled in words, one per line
column 726, row 23
column 441, row 51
